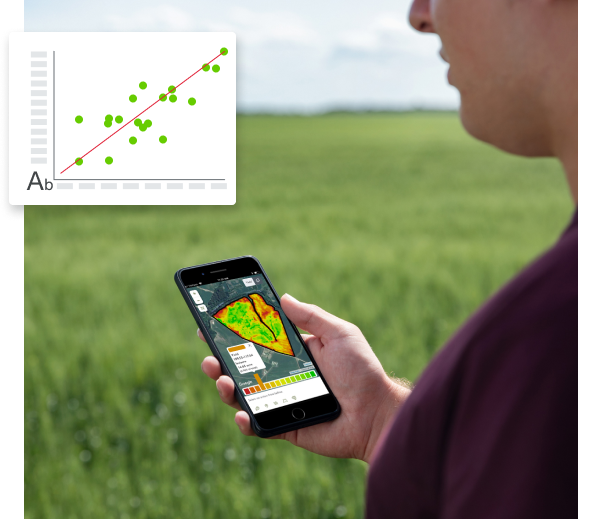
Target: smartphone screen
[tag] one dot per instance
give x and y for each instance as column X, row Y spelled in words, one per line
column 266, row 358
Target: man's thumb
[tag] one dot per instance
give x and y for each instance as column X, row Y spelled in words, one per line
column 311, row 318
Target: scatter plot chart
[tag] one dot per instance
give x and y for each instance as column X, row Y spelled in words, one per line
column 122, row 118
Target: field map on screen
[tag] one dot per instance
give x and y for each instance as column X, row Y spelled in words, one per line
column 253, row 319
column 245, row 310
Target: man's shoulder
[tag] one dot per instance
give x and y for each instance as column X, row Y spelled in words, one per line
column 525, row 334
column 534, row 315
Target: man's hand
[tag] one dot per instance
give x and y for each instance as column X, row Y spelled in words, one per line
column 368, row 397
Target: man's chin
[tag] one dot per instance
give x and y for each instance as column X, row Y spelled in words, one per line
column 478, row 123
column 470, row 121
column 493, row 126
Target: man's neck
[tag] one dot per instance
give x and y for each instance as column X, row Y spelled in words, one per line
column 566, row 148
column 572, row 175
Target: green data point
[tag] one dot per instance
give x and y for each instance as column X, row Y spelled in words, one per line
column 133, row 98
column 142, row 128
column 79, row 161
column 171, row 89
column 192, row 101
column 148, row 123
column 109, row 160
column 173, row 98
column 215, row 68
column 162, row 139
column 142, row 85
column 108, row 117
column 133, row 140
column 206, row 67
column 119, row 119
column 79, row 119
column 108, row 123
column 163, row 97
column 223, row 51
column 138, row 122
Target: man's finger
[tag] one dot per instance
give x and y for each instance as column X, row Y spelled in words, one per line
column 313, row 319
column 200, row 334
column 211, row 368
column 225, row 388
column 244, row 423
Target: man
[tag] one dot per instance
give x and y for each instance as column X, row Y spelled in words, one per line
column 491, row 429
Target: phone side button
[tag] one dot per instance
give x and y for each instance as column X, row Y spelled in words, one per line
column 298, row 413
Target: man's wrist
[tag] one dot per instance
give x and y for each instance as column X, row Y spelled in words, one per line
column 395, row 393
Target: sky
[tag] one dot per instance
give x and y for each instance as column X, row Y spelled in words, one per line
column 298, row 56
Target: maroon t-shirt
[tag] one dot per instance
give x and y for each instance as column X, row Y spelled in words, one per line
column 490, row 431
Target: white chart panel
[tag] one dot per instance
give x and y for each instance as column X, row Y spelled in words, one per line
column 122, row 118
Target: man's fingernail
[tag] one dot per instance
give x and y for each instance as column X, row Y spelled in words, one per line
column 288, row 295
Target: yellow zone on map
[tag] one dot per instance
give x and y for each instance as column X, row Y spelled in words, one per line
column 251, row 318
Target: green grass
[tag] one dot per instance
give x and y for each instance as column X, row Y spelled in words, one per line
column 400, row 223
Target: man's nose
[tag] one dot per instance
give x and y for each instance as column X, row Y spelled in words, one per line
column 420, row 16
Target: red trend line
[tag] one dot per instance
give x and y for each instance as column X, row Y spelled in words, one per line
column 136, row 117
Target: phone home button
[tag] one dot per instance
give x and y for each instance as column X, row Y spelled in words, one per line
column 298, row 413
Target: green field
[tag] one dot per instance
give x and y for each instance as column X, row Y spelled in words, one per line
column 400, row 223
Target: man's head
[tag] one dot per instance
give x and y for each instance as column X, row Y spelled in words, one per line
column 514, row 63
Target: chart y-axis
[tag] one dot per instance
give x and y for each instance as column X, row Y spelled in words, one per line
column 53, row 117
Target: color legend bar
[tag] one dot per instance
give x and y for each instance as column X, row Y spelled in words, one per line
column 262, row 386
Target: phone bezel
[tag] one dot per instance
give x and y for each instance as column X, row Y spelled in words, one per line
column 277, row 421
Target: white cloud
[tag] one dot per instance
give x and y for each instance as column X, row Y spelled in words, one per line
column 157, row 18
column 258, row 28
column 386, row 33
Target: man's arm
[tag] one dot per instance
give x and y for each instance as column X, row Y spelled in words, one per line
column 369, row 398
